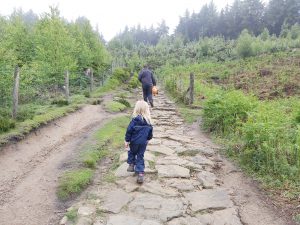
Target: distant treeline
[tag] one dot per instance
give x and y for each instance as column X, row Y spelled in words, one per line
column 277, row 16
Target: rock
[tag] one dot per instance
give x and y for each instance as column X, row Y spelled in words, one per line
column 149, row 156
column 160, row 135
column 155, row 141
column 84, row 221
column 123, row 157
column 129, row 184
column 86, row 210
column 207, row 179
column 115, row 201
column 122, row 171
column 186, row 221
column 180, row 138
column 161, row 149
column 201, row 149
column 202, row 160
column 99, row 222
column 222, row 217
column 122, row 220
column 155, row 188
column 64, row 220
column 172, row 171
column 183, row 185
column 208, row 199
column 150, row 222
column 153, row 207
column 171, row 143
column 171, row 160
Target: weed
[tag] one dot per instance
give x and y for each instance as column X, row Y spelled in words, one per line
column 72, row 215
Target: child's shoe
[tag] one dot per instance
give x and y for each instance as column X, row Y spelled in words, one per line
column 140, row 178
column 130, row 168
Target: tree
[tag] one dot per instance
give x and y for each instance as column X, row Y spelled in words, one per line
column 252, row 16
column 54, row 48
column 274, row 16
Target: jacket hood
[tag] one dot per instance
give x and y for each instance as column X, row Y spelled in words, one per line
column 140, row 121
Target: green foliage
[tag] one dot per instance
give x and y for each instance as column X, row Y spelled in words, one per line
column 91, row 157
column 121, row 74
column 60, row 102
column 225, row 112
column 113, row 132
column 123, row 101
column 73, row 182
column 6, row 124
column 114, row 106
column 244, row 45
column 190, row 115
column 134, row 82
column 72, row 215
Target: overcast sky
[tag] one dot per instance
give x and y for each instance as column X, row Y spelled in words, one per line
column 112, row 16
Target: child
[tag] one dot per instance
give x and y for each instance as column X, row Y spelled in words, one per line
column 138, row 133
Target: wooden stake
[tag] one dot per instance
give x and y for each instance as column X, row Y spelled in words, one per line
column 191, row 88
column 67, row 91
column 16, row 92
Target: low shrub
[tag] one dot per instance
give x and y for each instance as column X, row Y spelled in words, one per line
column 224, row 113
column 6, row 124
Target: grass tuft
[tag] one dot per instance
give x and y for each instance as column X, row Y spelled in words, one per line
column 73, row 182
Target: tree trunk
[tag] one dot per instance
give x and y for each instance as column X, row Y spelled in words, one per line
column 16, row 92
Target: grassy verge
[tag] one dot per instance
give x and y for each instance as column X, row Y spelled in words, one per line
column 262, row 135
column 103, row 143
column 43, row 114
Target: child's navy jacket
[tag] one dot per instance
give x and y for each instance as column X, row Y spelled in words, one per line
column 138, row 131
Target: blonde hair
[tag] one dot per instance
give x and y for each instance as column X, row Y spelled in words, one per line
column 142, row 108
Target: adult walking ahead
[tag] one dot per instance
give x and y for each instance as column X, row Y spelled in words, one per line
column 148, row 81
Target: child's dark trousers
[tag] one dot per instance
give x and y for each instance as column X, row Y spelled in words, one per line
column 136, row 157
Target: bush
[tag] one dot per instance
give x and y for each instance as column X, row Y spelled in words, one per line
column 6, row 124
column 26, row 112
column 224, row 113
column 244, row 45
column 121, row 74
column 114, row 106
column 134, row 82
column 60, row 102
column 271, row 142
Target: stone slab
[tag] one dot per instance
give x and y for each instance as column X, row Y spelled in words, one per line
column 115, row 201
column 172, row 171
column 208, row 199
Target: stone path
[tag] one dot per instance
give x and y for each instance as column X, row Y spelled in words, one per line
column 180, row 188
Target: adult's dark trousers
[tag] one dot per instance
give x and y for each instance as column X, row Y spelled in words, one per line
column 136, row 157
column 147, row 93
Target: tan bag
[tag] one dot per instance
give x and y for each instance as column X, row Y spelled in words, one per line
column 154, row 90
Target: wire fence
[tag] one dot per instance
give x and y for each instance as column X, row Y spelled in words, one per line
column 23, row 85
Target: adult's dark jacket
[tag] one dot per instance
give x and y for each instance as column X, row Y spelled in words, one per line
column 146, row 77
column 138, row 131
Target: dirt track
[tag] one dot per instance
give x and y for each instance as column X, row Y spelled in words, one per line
column 31, row 167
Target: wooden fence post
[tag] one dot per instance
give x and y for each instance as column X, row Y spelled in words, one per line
column 191, row 88
column 16, row 92
column 67, row 91
column 91, row 80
